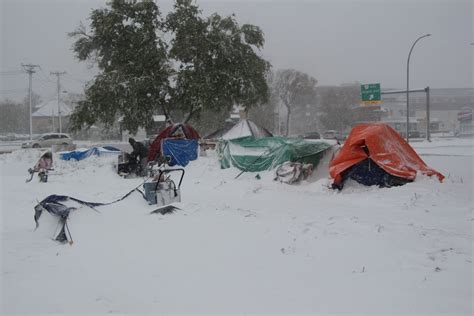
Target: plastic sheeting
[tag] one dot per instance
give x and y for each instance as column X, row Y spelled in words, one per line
column 54, row 205
column 181, row 151
column 258, row 154
column 84, row 153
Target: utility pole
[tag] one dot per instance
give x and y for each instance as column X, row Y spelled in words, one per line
column 58, row 74
column 30, row 69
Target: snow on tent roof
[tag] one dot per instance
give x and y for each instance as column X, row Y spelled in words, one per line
column 50, row 108
column 245, row 128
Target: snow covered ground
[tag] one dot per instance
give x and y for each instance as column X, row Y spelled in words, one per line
column 241, row 246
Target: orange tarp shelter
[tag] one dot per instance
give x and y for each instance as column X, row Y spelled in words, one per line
column 384, row 146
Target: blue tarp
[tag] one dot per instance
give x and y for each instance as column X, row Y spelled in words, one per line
column 368, row 173
column 82, row 154
column 181, row 151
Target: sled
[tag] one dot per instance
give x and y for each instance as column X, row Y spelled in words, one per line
column 42, row 167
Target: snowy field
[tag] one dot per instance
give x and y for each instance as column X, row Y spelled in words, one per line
column 241, row 246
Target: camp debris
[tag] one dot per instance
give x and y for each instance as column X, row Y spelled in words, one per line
column 292, row 172
column 259, row 154
column 43, row 166
column 126, row 166
column 162, row 189
column 375, row 154
column 55, row 205
column 168, row 209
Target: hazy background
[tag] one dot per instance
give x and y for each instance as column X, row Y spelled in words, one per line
column 335, row 41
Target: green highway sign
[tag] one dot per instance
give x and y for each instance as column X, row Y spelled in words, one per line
column 370, row 94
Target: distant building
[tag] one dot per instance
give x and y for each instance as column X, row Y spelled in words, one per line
column 347, row 97
column 445, row 106
column 46, row 119
column 466, row 127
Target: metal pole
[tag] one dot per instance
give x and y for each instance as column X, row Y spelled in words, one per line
column 57, row 73
column 30, row 73
column 52, row 120
column 30, row 69
column 59, row 108
column 428, row 137
column 408, row 85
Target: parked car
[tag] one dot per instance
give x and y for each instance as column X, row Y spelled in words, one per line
column 312, row 135
column 416, row 134
column 47, row 140
column 332, row 134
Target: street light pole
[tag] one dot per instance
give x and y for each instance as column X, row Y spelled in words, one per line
column 408, row 85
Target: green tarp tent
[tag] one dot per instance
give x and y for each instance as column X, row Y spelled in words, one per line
column 258, row 154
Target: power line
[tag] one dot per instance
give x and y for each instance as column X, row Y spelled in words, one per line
column 11, row 73
column 69, row 77
column 45, row 77
column 11, row 90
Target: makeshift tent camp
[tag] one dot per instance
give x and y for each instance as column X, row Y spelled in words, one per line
column 258, row 154
column 177, row 131
column 87, row 152
column 375, row 154
column 242, row 128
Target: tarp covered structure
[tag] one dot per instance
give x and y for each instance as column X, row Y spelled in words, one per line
column 258, row 154
column 377, row 154
column 174, row 131
column 181, row 151
column 87, row 152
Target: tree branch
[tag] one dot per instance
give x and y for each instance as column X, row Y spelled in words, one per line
column 192, row 112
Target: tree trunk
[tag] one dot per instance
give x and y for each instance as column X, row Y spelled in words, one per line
column 288, row 115
column 191, row 113
column 288, row 122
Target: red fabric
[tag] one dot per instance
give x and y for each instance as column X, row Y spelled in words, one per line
column 386, row 148
column 169, row 132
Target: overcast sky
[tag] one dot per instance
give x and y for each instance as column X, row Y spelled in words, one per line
column 336, row 41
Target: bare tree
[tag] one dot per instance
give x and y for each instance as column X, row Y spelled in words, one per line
column 292, row 87
column 14, row 117
column 336, row 106
column 264, row 114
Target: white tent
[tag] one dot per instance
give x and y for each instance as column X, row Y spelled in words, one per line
column 246, row 127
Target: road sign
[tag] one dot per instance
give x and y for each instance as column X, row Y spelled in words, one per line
column 370, row 94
